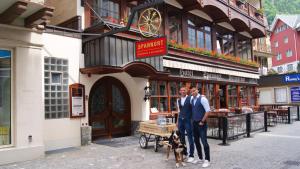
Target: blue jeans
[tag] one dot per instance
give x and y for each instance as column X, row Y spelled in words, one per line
column 186, row 125
column 200, row 132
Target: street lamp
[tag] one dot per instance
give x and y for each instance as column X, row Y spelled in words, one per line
column 147, row 90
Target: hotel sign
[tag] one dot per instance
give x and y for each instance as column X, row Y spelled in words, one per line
column 291, row 78
column 295, row 94
column 151, row 48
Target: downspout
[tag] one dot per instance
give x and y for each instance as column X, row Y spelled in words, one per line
column 295, row 35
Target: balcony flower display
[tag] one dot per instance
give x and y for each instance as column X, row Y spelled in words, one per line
column 173, row 44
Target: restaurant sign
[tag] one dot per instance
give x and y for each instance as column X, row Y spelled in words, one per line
column 295, row 94
column 151, row 48
column 291, row 78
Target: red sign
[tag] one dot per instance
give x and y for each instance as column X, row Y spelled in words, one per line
column 151, row 48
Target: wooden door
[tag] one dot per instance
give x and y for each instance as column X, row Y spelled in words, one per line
column 109, row 109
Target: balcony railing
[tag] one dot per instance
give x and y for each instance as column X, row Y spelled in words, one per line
column 105, row 14
column 247, row 9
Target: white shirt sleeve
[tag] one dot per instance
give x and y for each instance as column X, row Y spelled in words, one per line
column 177, row 104
column 205, row 104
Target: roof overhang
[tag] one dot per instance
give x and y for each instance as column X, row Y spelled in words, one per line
column 25, row 13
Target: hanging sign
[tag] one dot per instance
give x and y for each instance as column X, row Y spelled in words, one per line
column 151, row 48
column 77, row 100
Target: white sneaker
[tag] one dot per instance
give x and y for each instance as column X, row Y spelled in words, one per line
column 190, row 160
column 205, row 164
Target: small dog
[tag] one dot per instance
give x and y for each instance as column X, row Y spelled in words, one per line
column 178, row 147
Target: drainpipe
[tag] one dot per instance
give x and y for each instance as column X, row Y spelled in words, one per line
column 295, row 39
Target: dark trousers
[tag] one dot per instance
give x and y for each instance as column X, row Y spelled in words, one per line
column 186, row 125
column 200, row 132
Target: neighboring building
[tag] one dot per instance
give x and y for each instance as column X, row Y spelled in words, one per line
column 210, row 46
column 281, row 89
column 21, row 79
column 263, row 54
column 285, row 41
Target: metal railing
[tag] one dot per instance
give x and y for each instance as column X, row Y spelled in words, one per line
column 233, row 126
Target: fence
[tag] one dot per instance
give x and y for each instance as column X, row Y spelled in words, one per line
column 232, row 126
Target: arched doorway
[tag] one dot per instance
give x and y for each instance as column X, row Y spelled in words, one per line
column 109, row 109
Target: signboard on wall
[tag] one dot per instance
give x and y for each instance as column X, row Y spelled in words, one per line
column 151, row 48
column 291, row 78
column 295, row 94
column 77, row 100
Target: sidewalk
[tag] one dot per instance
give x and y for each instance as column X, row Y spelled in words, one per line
column 279, row 149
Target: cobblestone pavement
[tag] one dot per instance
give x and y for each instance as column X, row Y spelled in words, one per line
column 278, row 149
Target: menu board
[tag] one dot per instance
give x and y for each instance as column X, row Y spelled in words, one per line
column 77, row 100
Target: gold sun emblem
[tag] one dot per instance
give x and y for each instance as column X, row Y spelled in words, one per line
column 149, row 22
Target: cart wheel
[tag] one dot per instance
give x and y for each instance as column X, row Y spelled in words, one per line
column 156, row 144
column 143, row 142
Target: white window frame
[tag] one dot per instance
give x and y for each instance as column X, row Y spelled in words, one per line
column 278, row 69
column 12, row 128
column 289, row 53
column 287, row 67
column 276, row 44
column 277, row 57
column 286, row 39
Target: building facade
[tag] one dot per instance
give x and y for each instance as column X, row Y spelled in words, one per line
column 285, row 41
column 209, row 46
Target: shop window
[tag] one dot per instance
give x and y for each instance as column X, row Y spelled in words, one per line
column 252, row 96
column 5, row 97
column 232, row 96
column 210, row 95
column 280, row 95
column 244, row 95
column 56, row 80
column 279, row 69
column 159, row 98
column 290, row 67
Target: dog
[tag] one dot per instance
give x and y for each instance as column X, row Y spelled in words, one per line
column 178, row 148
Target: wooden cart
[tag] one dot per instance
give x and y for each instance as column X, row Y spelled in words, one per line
column 152, row 132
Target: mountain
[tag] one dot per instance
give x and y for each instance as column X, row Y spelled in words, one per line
column 273, row 7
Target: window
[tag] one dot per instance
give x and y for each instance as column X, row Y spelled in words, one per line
column 289, row 53
column 199, row 37
column 225, row 44
column 244, row 49
column 107, row 9
column 279, row 69
column 276, row 44
column 192, row 37
column 175, row 28
column 232, row 96
column 244, row 95
column 252, row 96
column 5, row 97
column 159, row 96
column 280, row 95
column 210, row 94
column 286, row 39
column 290, row 67
column 56, row 88
column 279, row 57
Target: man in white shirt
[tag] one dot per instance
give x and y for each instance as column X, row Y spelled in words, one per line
column 200, row 111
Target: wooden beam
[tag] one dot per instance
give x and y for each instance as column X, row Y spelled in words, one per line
column 191, row 7
column 39, row 17
column 10, row 14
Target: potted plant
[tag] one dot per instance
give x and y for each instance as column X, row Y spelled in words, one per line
column 259, row 12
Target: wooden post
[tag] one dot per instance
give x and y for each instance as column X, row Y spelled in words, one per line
column 214, row 37
column 226, row 95
column 166, row 22
column 217, row 96
column 238, row 96
column 184, row 21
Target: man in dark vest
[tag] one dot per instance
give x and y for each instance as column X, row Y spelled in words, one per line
column 184, row 122
column 200, row 111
